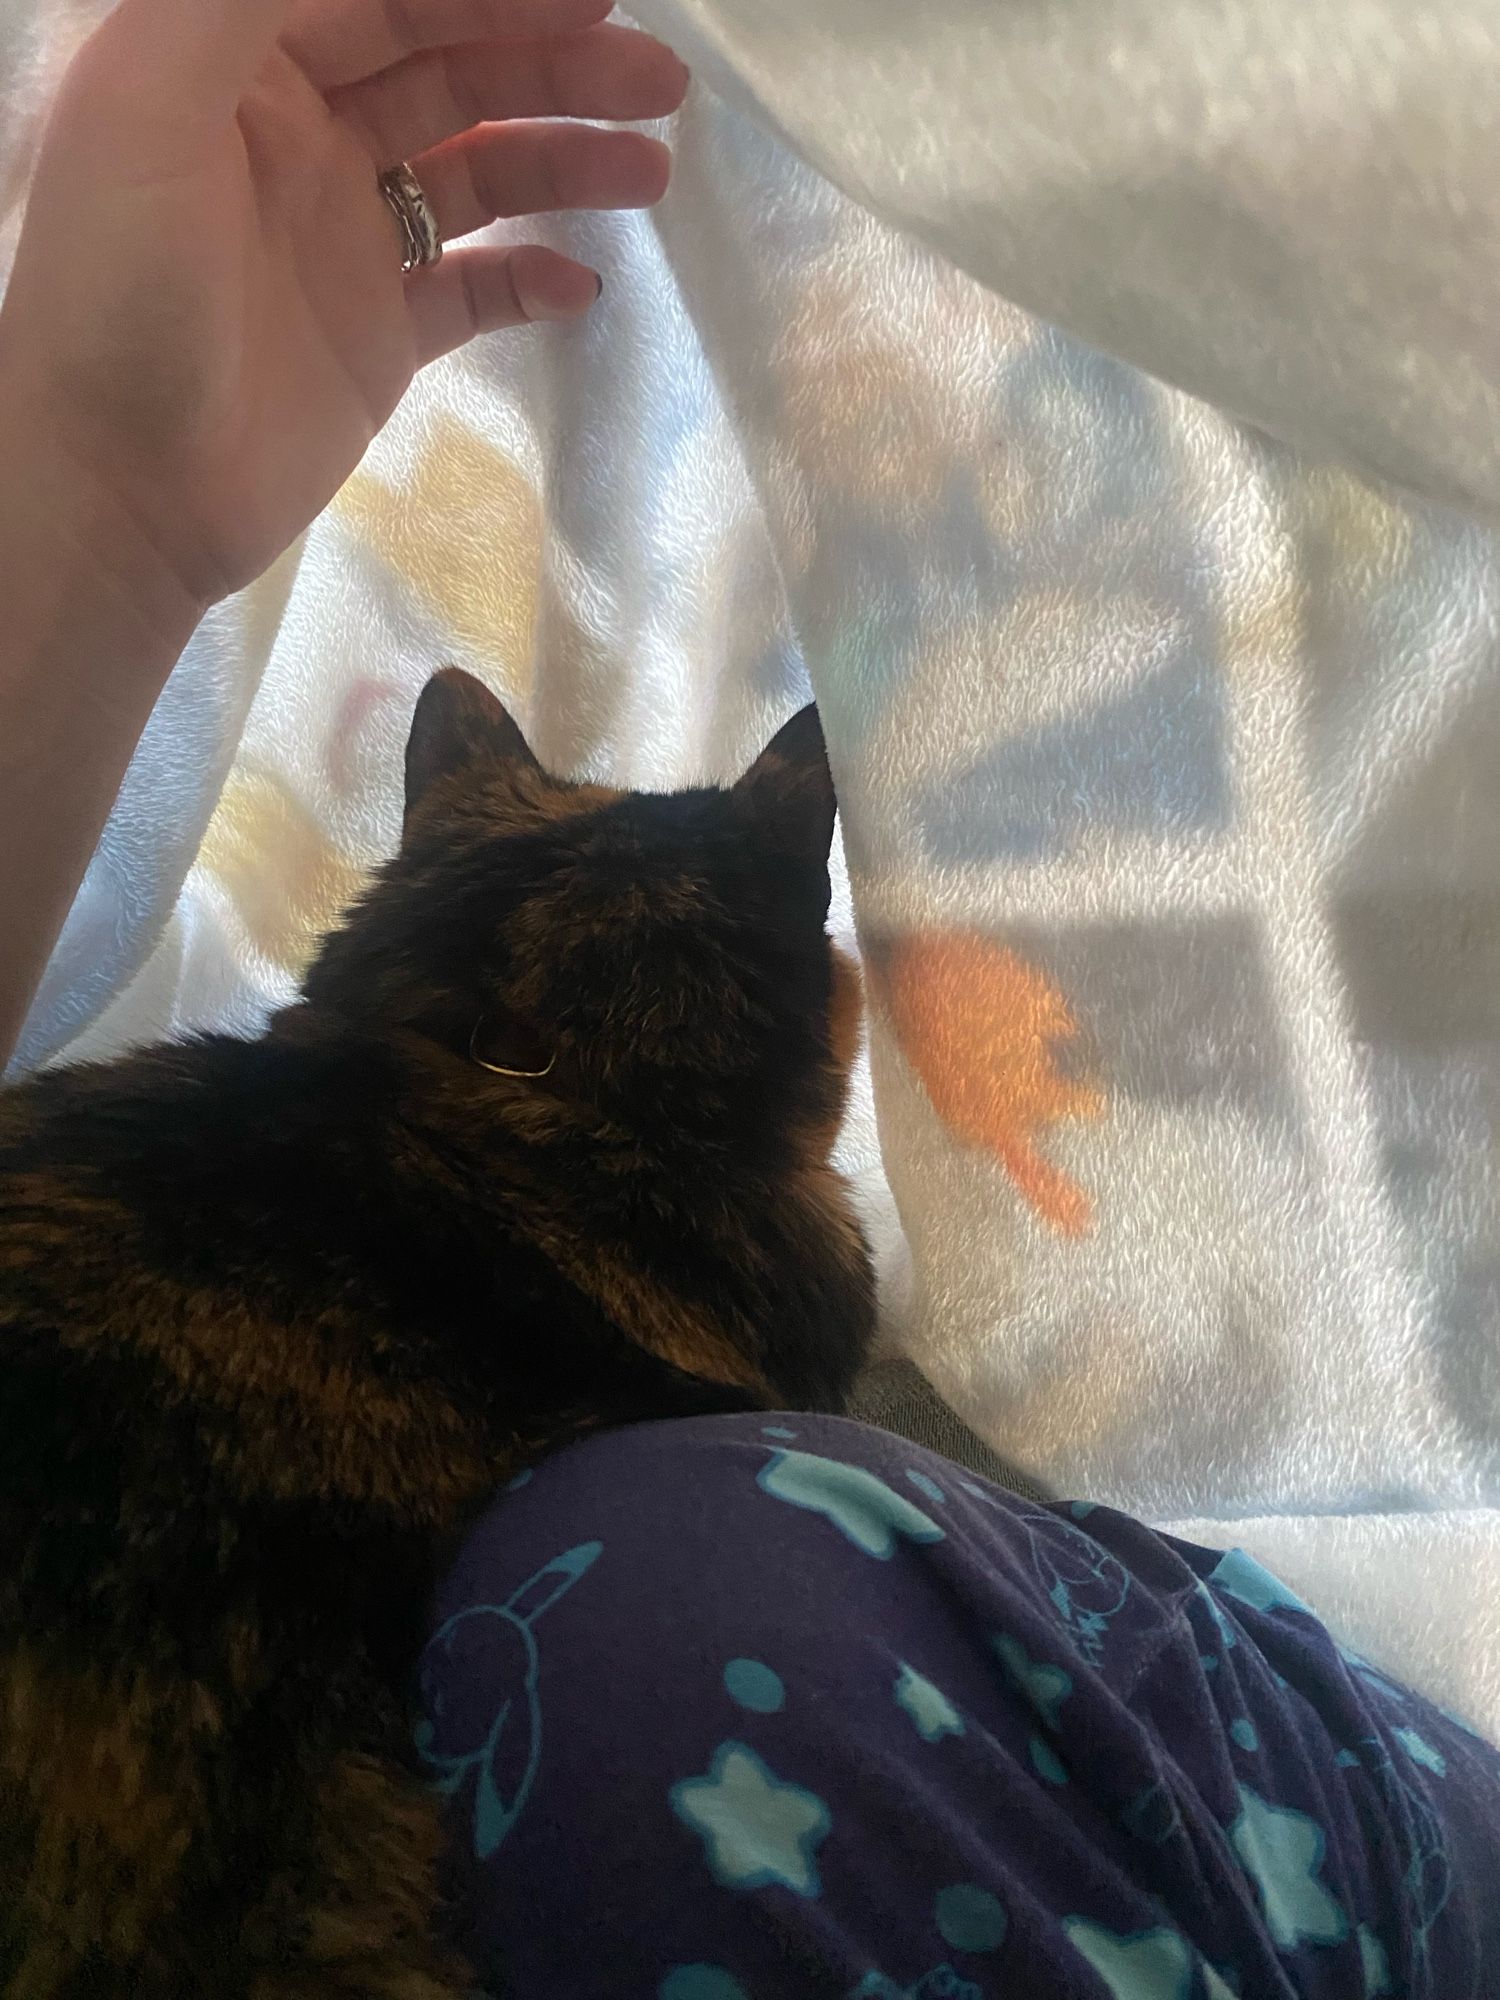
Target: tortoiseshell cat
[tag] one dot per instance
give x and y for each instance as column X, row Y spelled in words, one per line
column 277, row 1317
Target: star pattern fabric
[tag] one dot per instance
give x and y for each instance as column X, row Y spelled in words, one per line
column 756, row 1829
column 810, row 1712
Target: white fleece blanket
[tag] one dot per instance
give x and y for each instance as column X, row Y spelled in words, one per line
column 1169, row 756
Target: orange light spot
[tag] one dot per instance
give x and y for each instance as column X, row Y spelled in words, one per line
column 981, row 1027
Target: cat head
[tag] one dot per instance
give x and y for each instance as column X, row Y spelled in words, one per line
column 658, row 962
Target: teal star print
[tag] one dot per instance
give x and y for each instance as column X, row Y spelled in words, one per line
column 1046, row 1688
column 1374, row 1963
column 756, row 1830
column 1241, row 1576
column 1157, row 1965
column 863, row 1508
column 933, row 1716
column 1421, row 1751
column 1281, row 1851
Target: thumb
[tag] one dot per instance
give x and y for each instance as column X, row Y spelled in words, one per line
column 200, row 53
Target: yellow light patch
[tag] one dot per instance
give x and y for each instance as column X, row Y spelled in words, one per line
column 287, row 880
column 464, row 533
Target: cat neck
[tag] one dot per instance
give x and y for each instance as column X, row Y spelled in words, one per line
column 671, row 1129
column 739, row 1265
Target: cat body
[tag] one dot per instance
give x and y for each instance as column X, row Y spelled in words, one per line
column 543, row 1147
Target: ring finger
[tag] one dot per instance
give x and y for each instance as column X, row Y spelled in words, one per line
column 537, row 169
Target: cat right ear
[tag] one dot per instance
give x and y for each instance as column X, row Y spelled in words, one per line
column 789, row 790
column 459, row 727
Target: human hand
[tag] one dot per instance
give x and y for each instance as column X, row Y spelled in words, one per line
column 207, row 321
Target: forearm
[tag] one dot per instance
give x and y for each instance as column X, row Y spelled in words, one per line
column 91, row 624
column 209, row 287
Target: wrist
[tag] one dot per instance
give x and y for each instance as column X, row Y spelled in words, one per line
column 71, row 549
column 91, row 624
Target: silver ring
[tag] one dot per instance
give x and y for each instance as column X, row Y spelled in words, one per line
column 420, row 236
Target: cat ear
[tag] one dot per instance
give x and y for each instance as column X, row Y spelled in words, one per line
column 458, row 726
column 789, row 789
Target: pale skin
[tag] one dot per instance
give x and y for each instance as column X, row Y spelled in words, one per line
column 207, row 324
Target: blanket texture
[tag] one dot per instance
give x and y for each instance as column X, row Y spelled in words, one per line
column 1167, row 753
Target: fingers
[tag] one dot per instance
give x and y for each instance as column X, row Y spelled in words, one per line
column 506, row 170
column 605, row 72
column 486, row 290
column 342, row 41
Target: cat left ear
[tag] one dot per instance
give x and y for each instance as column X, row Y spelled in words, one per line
column 789, row 789
column 459, row 726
